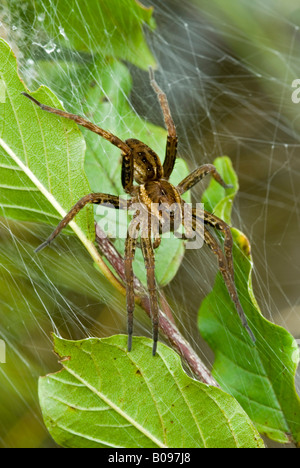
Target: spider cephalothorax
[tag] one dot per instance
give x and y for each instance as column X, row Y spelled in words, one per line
column 154, row 197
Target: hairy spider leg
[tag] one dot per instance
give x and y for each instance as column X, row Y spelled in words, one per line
column 172, row 139
column 127, row 157
column 130, row 247
column 194, row 177
column 213, row 245
column 94, row 198
column 148, row 253
column 149, row 259
column 223, row 227
column 211, row 242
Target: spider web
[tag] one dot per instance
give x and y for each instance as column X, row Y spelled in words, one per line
column 229, row 87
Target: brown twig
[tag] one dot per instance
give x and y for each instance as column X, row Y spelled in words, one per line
column 166, row 320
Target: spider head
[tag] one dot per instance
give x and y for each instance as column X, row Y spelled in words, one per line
column 147, row 165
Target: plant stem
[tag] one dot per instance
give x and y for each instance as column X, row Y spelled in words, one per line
column 166, row 320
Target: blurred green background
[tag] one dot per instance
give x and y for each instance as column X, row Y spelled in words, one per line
column 227, row 68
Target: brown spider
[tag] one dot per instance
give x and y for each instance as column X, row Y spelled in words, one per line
column 142, row 165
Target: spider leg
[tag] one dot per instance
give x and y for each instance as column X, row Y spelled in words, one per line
column 84, row 123
column 157, row 242
column 223, row 227
column 155, row 245
column 130, row 246
column 194, row 177
column 172, row 139
column 149, row 259
column 95, row 198
column 127, row 160
column 211, row 242
column 216, row 249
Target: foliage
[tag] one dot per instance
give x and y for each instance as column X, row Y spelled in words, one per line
column 45, row 168
column 115, row 29
column 107, row 397
column 260, row 377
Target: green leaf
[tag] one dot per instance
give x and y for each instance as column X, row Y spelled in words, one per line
column 107, row 397
column 260, row 377
column 41, row 158
column 111, row 28
column 216, row 199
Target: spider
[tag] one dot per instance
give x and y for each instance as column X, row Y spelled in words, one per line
column 142, row 165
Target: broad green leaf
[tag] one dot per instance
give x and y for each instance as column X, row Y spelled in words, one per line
column 260, row 377
column 107, row 397
column 41, row 158
column 111, row 28
column 216, row 199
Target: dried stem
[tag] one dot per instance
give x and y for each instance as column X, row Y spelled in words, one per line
column 166, row 320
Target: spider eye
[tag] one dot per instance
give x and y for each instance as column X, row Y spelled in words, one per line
column 142, row 155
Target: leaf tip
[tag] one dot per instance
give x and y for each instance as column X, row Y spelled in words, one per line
column 243, row 243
